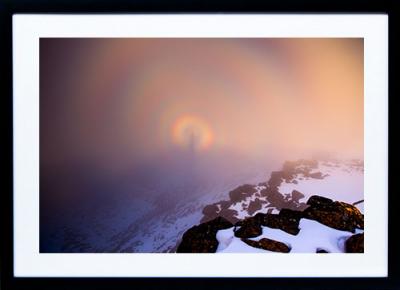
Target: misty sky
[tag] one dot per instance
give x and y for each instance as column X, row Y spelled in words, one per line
column 111, row 101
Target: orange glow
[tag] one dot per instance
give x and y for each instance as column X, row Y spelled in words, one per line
column 188, row 131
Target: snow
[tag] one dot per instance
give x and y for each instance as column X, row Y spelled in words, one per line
column 343, row 183
column 228, row 243
column 312, row 236
column 241, row 207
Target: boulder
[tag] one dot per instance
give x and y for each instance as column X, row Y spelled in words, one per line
column 202, row 238
column 355, row 244
column 269, row 245
column 318, row 201
column 338, row 215
column 287, row 220
column 249, row 228
column 291, row 215
column 241, row 192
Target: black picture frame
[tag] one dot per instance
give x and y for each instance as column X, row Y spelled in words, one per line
column 8, row 8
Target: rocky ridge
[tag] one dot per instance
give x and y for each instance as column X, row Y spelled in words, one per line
column 334, row 214
column 247, row 200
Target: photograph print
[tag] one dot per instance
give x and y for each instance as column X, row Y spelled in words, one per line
column 201, row 145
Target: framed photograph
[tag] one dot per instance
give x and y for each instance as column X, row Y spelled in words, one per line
column 229, row 146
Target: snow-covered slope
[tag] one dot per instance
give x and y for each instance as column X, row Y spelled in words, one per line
column 313, row 236
column 157, row 223
column 291, row 187
column 341, row 181
column 147, row 219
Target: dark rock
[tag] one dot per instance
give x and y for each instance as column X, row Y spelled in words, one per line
column 291, row 226
column 317, row 201
column 249, row 228
column 301, row 206
column 225, row 204
column 210, row 209
column 287, row 221
column 276, row 179
column 275, row 198
column 254, row 206
column 291, row 215
column 321, row 251
column 268, row 244
column 229, row 214
column 209, row 217
column 202, row 238
column 297, row 195
column 335, row 214
column 241, row 192
column 355, row 244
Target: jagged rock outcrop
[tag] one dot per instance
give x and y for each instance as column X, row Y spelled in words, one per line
column 269, row 245
column 251, row 198
column 201, row 238
column 335, row 214
column 355, row 244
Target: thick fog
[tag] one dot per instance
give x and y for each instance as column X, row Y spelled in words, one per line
column 163, row 117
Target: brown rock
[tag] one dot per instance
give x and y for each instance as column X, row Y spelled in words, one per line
column 249, row 228
column 202, row 238
column 210, row 209
column 287, row 220
column 241, row 192
column 355, row 244
column 268, row 244
column 335, row 214
column 229, row 214
column 296, row 195
column 254, row 206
